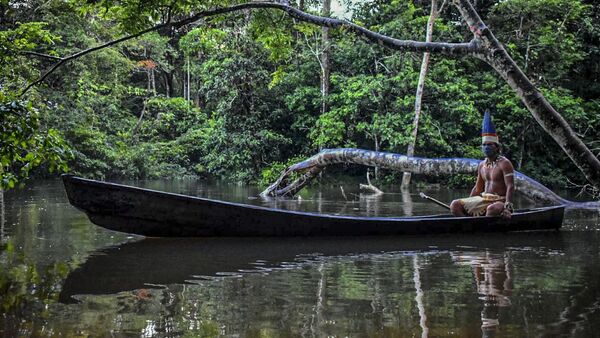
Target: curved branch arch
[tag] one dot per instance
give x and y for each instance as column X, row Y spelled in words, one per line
column 312, row 166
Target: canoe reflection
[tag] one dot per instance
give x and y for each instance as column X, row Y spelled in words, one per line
column 155, row 262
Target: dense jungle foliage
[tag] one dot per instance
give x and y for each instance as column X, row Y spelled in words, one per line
column 237, row 96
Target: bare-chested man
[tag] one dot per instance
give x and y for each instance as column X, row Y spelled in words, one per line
column 492, row 194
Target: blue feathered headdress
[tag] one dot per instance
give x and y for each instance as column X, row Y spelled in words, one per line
column 488, row 131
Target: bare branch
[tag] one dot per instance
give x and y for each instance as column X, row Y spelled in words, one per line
column 42, row 55
column 405, row 45
column 316, row 51
column 87, row 51
column 343, row 193
column 441, row 9
column 370, row 187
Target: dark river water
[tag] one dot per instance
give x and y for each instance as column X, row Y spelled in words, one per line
column 60, row 275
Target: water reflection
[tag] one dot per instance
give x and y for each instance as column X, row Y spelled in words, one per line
column 370, row 204
column 162, row 261
column 61, row 275
column 333, row 280
column 419, row 297
column 330, row 200
column 407, row 202
column 494, row 285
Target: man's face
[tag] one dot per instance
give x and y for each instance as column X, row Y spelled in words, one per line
column 490, row 149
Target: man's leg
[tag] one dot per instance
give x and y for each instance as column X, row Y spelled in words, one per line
column 494, row 209
column 457, row 208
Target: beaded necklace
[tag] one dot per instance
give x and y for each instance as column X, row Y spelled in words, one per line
column 491, row 164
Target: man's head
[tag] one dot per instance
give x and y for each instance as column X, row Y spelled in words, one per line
column 491, row 149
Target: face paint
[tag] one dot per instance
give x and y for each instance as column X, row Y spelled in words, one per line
column 490, row 151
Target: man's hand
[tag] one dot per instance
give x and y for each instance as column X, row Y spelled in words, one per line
column 506, row 214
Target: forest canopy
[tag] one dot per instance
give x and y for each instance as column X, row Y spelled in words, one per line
column 238, row 96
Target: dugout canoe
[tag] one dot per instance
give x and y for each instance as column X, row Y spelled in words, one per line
column 162, row 214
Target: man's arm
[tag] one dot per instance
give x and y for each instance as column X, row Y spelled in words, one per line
column 479, row 185
column 509, row 180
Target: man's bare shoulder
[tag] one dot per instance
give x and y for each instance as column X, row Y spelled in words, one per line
column 505, row 164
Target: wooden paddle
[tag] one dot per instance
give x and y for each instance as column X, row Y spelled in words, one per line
column 434, row 200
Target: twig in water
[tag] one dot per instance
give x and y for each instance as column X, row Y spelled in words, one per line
column 584, row 189
column 343, row 193
column 370, row 187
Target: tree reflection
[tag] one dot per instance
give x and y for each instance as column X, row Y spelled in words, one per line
column 419, row 297
column 411, row 286
column 370, row 204
column 407, row 202
column 320, row 287
column 26, row 291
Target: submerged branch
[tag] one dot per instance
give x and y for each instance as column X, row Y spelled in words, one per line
column 370, row 187
column 417, row 165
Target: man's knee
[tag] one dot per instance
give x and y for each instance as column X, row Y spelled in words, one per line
column 457, row 208
column 494, row 209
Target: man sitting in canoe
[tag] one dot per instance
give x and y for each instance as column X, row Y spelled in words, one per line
column 493, row 192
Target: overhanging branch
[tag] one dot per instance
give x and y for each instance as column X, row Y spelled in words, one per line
column 66, row 59
column 396, row 44
column 42, row 55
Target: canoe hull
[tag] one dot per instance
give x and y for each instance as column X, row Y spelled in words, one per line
column 160, row 214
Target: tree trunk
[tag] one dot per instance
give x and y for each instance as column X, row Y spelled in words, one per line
column 325, row 59
column 187, row 93
column 377, row 148
column 183, row 86
column 548, row 118
column 2, row 216
column 153, row 80
column 420, row 86
column 149, row 81
column 139, row 122
column 168, row 84
column 522, row 147
column 312, row 166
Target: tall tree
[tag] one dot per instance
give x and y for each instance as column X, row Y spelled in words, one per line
column 325, row 58
column 434, row 13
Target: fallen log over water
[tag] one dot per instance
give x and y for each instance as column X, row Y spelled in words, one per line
column 312, row 166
